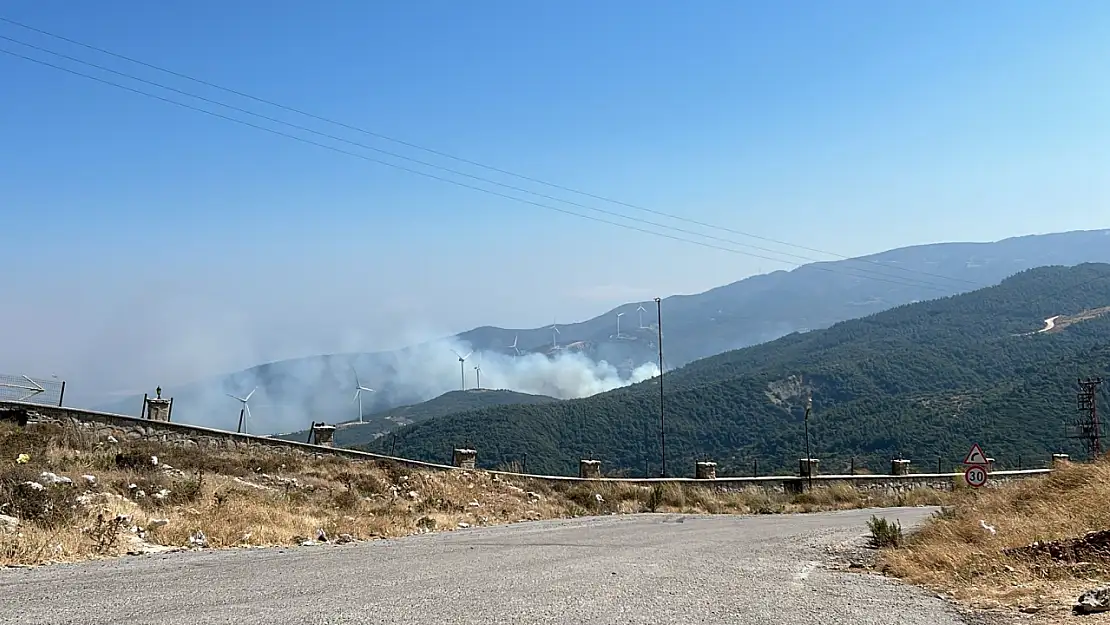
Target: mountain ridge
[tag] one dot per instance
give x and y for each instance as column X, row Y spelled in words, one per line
column 923, row 379
column 749, row 311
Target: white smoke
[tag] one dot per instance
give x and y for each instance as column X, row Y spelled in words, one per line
column 291, row 394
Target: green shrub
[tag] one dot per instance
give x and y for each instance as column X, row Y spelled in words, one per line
column 884, row 533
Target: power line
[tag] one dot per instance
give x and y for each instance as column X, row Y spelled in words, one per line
column 472, row 162
column 915, row 282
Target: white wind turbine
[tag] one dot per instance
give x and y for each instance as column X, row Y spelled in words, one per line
column 619, row 315
column 554, row 334
column 478, row 372
column 641, row 310
column 359, row 388
column 516, row 350
column 245, row 409
column 462, row 365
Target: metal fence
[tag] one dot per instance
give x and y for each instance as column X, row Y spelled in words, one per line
column 46, row 391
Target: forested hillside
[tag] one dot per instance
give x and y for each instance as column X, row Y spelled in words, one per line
column 924, row 380
column 351, row 434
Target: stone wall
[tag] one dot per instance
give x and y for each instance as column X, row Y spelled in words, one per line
column 102, row 425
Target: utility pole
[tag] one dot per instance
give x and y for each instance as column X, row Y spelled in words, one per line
column 662, row 431
column 809, row 459
column 1088, row 423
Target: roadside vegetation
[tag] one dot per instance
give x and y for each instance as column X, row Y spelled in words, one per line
column 1033, row 545
column 66, row 496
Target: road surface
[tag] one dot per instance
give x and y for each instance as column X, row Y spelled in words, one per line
column 650, row 569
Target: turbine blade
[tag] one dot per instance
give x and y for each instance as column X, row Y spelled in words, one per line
column 248, row 397
column 357, row 391
column 468, row 354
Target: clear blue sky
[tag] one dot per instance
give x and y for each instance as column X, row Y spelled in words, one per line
column 141, row 237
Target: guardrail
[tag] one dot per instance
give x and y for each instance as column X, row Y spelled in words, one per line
column 186, row 431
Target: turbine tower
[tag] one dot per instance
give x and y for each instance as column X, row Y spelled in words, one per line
column 554, row 335
column 359, row 388
column 619, row 324
column 462, row 365
column 244, row 409
column 478, row 372
column 641, row 310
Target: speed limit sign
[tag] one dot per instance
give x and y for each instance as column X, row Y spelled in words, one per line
column 975, row 476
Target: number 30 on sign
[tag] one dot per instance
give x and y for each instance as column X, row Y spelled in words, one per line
column 975, row 476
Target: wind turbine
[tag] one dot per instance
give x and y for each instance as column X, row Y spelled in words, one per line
column 478, row 371
column 246, row 408
column 641, row 310
column 619, row 324
column 462, row 365
column 359, row 388
column 554, row 332
column 516, row 350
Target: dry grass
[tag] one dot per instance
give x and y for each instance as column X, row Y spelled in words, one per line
column 261, row 497
column 953, row 553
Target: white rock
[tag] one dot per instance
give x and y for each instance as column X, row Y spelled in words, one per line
column 198, row 539
column 34, row 485
column 112, row 439
column 534, row 495
column 91, row 479
column 154, row 460
column 8, row 522
column 414, row 495
column 463, row 525
column 53, row 478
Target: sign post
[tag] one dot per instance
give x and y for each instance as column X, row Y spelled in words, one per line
column 976, row 461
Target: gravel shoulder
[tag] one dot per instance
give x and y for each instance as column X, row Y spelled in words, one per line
column 651, row 569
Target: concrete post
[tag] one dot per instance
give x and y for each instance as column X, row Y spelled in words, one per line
column 990, row 465
column 158, row 409
column 589, row 468
column 465, row 458
column 808, row 466
column 1059, row 460
column 705, row 470
column 322, row 434
column 899, row 466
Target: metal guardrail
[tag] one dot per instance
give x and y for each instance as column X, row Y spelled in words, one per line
column 23, row 388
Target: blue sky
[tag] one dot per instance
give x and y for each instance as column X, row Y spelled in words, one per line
column 144, row 237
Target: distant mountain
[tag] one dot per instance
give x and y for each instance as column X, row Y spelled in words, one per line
column 748, row 312
column 352, row 433
column 925, row 380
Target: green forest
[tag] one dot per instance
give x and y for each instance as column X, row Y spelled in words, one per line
column 354, row 434
column 922, row 381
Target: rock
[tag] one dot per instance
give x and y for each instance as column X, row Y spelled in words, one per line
column 1093, row 601
column 112, row 439
column 8, row 523
column 34, row 486
column 534, row 495
column 414, row 495
column 1030, row 609
column 321, row 536
column 90, row 479
column 463, row 525
column 344, row 539
column 198, row 540
column 52, row 478
column 426, row 522
column 159, row 522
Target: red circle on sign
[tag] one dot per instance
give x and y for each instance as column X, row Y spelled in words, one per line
column 976, row 476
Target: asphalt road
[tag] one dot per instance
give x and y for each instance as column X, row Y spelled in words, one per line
column 650, row 569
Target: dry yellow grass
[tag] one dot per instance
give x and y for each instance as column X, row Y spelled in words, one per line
column 262, row 496
column 954, row 554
